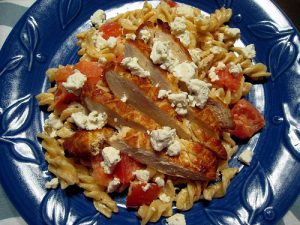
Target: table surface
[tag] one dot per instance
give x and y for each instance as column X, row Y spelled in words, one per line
column 12, row 10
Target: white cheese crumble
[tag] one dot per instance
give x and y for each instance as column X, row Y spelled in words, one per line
column 162, row 138
column 195, row 54
column 145, row 35
column 75, row 82
column 185, row 38
column 235, row 68
column 179, row 101
column 185, row 10
column 159, row 181
column 246, row 157
column 111, row 42
column 142, row 175
column 185, row 71
column 111, row 157
column 212, row 71
column 163, row 93
column 93, row 121
column 132, row 64
column 234, row 32
column 54, row 122
column 174, row 149
column 102, row 60
column 130, row 36
column 249, row 51
column 52, row 184
column 113, row 185
column 160, row 52
column 98, row 18
column 176, row 219
column 146, row 187
column 178, row 26
column 123, row 98
column 199, row 90
column 216, row 50
column 164, row 198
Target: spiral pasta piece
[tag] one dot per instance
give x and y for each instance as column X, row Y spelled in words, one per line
column 187, row 196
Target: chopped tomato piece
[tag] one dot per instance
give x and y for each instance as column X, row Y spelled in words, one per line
column 63, row 98
column 171, row 3
column 90, row 69
column 63, row 73
column 137, row 196
column 247, row 119
column 227, row 80
column 98, row 172
column 111, row 29
column 125, row 168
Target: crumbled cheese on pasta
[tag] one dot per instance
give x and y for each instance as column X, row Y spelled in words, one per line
column 185, row 10
column 174, row 149
column 130, row 36
column 146, row 187
column 212, row 74
column 234, row 32
column 98, row 18
column 75, row 82
column 249, row 51
column 142, row 175
column 176, row 219
column 185, row 71
column 163, row 93
column 95, row 120
column 102, row 60
column 235, row 68
column 162, row 138
column 123, row 98
column 179, row 101
column 195, row 54
column 54, row 122
column 178, row 26
column 216, row 50
column 111, row 157
column 111, row 42
column 199, row 90
column 113, row 185
column 52, row 184
column 132, row 64
column 185, row 38
column 159, row 181
column 246, row 157
column 220, row 66
column 145, row 35
column 164, row 198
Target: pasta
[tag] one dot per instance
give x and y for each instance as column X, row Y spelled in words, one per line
column 97, row 138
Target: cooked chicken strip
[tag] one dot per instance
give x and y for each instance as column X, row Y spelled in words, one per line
column 194, row 162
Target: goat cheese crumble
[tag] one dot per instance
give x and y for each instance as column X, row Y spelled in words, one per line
column 185, row 10
column 176, row 219
column 235, row 68
column 178, row 26
column 249, row 51
column 146, row 187
column 100, row 43
column 93, row 121
column 174, row 148
column 199, row 90
column 195, row 54
column 179, row 101
column 185, row 71
column 123, row 98
column 75, row 82
column 162, row 138
column 159, row 181
column 145, row 35
column 54, row 123
column 234, row 32
column 142, row 175
column 111, row 157
column 164, row 198
column 132, row 64
column 98, row 18
column 113, row 185
column 130, row 36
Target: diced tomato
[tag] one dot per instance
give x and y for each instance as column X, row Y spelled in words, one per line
column 63, row 98
column 63, row 73
column 98, row 173
column 137, row 196
column 247, row 119
column 111, row 29
column 90, row 69
column 171, row 3
column 227, row 80
column 125, row 168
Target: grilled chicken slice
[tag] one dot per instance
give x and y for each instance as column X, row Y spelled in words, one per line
column 220, row 116
column 119, row 113
column 84, row 144
column 121, row 85
column 194, row 162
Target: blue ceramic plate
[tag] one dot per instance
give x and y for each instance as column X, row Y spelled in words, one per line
column 45, row 37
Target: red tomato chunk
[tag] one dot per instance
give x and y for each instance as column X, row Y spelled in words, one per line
column 137, row 196
column 247, row 119
column 227, row 80
column 111, row 29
